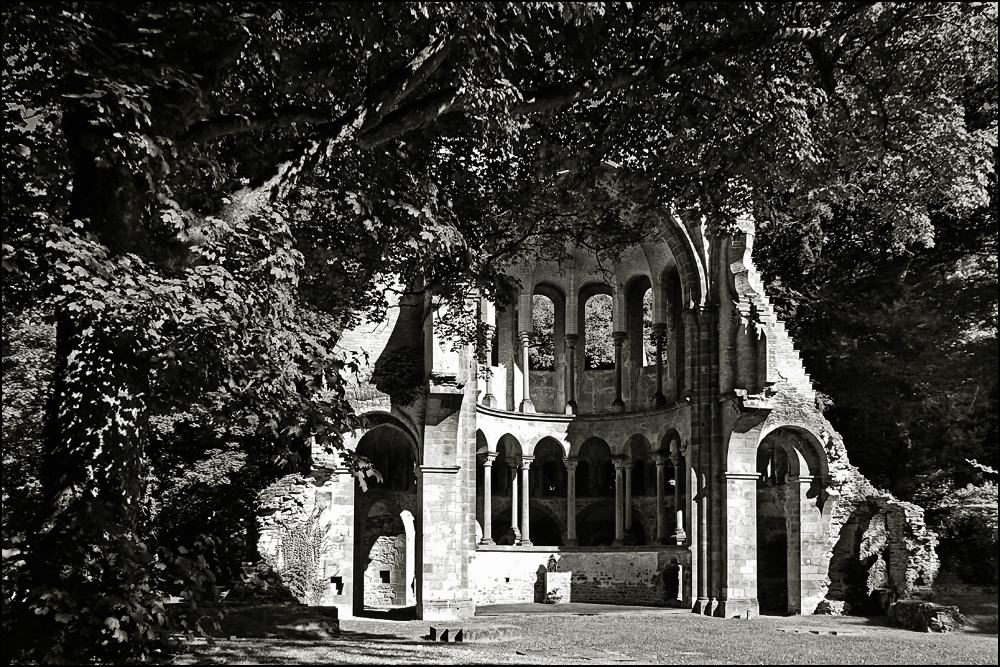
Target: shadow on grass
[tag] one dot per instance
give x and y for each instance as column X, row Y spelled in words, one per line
column 389, row 613
column 348, row 647
column 980, row 610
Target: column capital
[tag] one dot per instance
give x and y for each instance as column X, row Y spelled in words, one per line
column 571, row 339
column 571, row 463
column 490, row 458
column 524, row 336
column 801, row 479
column 629, row 463
column 659, row 329
column 661, row 458
column 619, row 461
column 526, row 462
column 619, row 337
column 743, row 476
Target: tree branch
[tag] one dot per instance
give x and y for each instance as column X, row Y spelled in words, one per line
column 221, row 126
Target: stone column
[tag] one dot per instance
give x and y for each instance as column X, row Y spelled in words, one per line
column 488, row 499
column 513, row 463
column 661, row 498
column 571, row 464
column 659, row 331
column 618, row 405
column 525, row 515
column 526, row 404
column 679, row 535
column 571, row 406
column 489, row 400
column 629, row 465
column 619, row 463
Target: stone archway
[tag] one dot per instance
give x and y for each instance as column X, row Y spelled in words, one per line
column 385, row 527
column 777, row 516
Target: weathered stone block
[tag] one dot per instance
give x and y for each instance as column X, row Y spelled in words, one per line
column 924, row 616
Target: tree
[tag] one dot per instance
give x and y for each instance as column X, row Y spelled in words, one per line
column 178, row 145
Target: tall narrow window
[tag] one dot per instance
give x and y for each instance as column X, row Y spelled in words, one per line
column 543, row 333
column 600, row 351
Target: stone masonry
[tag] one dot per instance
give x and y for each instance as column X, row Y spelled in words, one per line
column 697, row 472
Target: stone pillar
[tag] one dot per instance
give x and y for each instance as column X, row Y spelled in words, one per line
column 525, row 514
column 489, row 400
column 571, row 540
column 618, row 405
column 526, row 404
column 619, row 463
column 661, row 498
column 513, row 463
column 679, row 535
column 659, row 331
column 440, row 551
column 488, row 499
column 741, row 559
column 571, row 406
column 701, row 444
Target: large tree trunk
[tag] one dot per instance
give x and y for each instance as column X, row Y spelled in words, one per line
column 87, row 568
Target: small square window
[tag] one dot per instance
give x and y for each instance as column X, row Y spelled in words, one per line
column 384, row 577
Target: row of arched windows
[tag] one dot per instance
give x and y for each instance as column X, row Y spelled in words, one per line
column 599, row 351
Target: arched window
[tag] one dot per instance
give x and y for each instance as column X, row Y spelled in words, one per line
column 543, row 333
column 600, row 347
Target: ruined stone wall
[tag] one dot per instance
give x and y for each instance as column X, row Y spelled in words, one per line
column 503, row 575
column 327, row 494
column 388, row 561
column 883, row 550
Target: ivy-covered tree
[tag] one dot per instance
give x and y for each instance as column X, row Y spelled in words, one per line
column 160, row 157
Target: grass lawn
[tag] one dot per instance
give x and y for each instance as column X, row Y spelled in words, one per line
column 294, row 635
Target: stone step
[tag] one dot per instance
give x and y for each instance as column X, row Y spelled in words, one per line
column 480, row 633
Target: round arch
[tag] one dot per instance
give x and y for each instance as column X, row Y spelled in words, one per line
column 690, row 266
column 373, row 420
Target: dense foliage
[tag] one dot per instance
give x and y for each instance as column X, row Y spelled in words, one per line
column 203, row 195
